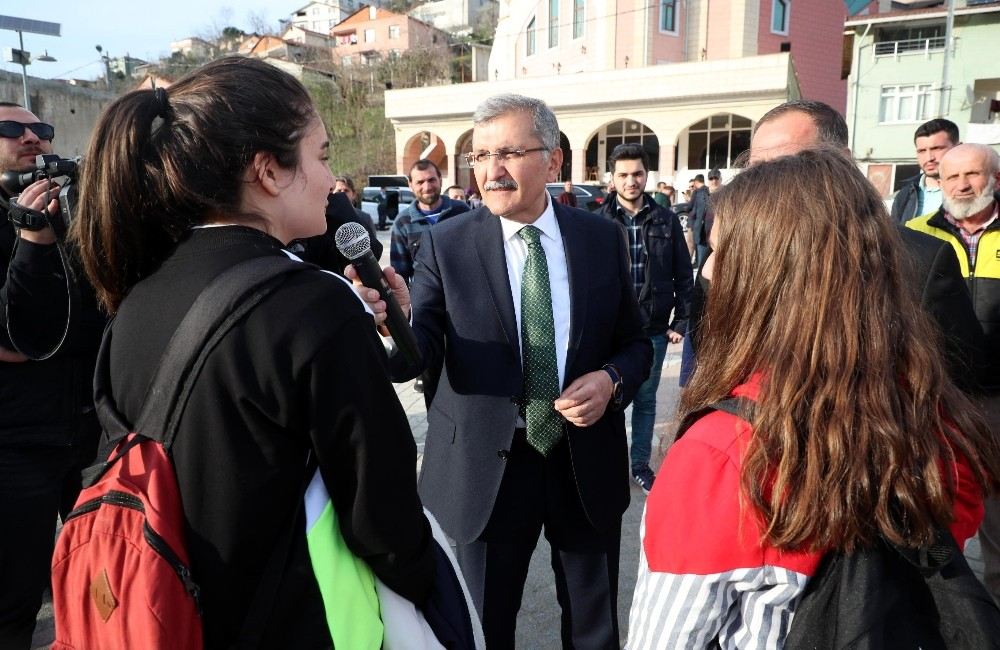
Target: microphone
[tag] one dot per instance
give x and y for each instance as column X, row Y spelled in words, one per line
column 354, row 243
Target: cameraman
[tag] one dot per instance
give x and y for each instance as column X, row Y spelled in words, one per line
column 48, row 429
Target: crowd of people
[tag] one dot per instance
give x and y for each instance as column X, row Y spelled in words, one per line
column 860, row 347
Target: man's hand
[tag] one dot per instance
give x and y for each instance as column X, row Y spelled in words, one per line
column 374, row 300
column 585, row 400
column 33, row 197
column 10, row 356
column 674, row 337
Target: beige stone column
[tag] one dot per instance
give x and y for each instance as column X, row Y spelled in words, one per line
column 667, row 160
column 578, row 173
column 450, row 174
column 401, row 140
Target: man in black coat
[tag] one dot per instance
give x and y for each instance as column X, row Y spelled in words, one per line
column 48, row 431
column 322, row 250
column 529, row 308
column 662, row 277
column 698, row 218
column 939, row 284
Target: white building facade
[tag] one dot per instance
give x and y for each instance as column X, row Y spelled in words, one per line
column 690, row 116
column 321, row 16
column 452, row 15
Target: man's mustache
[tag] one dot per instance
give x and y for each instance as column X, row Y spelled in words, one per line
column 502, row 184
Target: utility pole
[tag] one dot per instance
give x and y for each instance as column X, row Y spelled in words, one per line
column 949, row 26
column 107, row 65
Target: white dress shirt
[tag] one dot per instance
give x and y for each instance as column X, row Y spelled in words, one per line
column 516, row 251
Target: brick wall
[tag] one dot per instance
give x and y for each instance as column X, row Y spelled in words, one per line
column 816, row 37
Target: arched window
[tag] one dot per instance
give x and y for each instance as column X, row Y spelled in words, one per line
column 714, row 143
column 632, row 132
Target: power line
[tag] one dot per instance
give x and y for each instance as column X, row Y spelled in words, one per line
column 61, row 74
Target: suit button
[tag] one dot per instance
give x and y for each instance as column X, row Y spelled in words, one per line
column 503, row 455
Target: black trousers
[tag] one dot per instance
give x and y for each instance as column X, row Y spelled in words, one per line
column 36, row 485
column 539, row 493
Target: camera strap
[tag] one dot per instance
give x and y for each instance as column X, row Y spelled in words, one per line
column 72, row 291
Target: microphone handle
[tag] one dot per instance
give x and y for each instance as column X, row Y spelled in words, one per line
column 402, row 334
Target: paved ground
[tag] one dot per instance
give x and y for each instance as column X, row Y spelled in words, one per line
column 538, row 622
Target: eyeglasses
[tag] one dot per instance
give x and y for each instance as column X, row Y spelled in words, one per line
column 503, row 155
column 12, row 129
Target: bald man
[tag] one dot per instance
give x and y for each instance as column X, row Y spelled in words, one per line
column 968, row 221
column 969, row 175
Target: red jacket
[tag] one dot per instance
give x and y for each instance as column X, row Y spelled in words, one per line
column 703, row 571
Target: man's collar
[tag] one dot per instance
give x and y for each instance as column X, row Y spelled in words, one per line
column 546, row 222
column 440, row 205
column 922, row 184
column 645, row 210
column 958, row 223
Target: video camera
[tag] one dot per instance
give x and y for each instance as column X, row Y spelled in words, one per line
column 53, row 167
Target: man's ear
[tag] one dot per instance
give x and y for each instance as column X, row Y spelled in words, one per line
column 555, row 164
column 264, row 171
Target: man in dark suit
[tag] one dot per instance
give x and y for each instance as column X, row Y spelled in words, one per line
column 529, row 308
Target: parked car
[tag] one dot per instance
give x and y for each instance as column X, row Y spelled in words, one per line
column 369, row 199
column 588, row 197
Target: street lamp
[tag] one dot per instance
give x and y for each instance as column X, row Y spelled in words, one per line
column 22, row 57
column 107, row 65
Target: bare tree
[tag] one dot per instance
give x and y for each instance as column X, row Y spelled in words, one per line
column 213, row 32
column 259, row 24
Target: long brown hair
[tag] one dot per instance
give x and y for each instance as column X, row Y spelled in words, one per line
column 162, row 160
column 856, row 413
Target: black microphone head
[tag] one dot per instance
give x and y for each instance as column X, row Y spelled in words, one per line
column 352, row 240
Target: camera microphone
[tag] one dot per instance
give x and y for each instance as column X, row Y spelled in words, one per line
column 354, row 243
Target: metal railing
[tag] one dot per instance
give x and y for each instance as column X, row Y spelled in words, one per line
column 912, row 46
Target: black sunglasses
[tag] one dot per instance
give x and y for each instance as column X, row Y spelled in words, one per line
column 12, row 129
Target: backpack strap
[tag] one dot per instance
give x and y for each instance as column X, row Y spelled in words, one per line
column 223, row 303
column 741, row 407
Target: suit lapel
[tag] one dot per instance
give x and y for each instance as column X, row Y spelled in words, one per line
column 575, row 246
column 493, row 264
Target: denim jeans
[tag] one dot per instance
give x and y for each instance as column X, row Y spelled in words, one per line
column 644, row 406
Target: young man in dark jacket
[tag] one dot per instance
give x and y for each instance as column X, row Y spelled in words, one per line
column 921, row 195
column 662, row 278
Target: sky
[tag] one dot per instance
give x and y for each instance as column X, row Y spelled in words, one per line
column 140, row 28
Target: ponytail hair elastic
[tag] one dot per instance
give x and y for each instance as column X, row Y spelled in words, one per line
column 162, row 105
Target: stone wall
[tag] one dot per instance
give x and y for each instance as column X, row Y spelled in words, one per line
column 71, row 109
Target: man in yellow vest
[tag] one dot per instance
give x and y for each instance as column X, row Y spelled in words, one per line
column 968, row 220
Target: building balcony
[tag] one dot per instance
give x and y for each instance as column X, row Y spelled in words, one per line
column 913, row 46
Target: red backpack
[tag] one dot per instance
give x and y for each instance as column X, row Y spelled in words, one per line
column 121, row 573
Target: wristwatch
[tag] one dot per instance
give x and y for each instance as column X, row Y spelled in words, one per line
column 616, row 379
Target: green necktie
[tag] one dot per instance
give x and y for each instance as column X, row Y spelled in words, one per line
column 538, row 347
